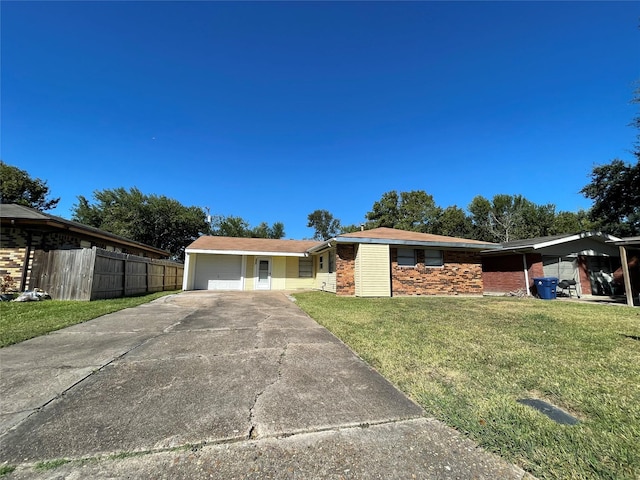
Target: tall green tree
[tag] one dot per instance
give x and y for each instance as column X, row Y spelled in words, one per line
column 615, row 191
column 324, row 224
column 454, row 222
column 385, row 212
column 571, row 222
column 152, row 219
column 415, row 210
column 509, row 217
column 17, row 186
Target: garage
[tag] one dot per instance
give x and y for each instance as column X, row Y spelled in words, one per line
column 218, row 272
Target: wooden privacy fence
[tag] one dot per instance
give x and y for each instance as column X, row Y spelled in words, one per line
column 93, row 273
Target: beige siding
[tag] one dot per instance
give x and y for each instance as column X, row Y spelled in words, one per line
column 248, row 275
column 373, row 271
column 326, row 281
column 292, row 281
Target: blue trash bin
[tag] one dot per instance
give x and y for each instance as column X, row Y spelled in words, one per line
column 546, row 287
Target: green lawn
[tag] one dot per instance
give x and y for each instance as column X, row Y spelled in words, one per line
column 23, row 320
column 467, row 361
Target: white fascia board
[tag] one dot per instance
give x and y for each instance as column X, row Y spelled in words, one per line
column 245, row 252
column 596, row 235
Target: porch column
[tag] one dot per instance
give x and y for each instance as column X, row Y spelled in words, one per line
column 626, row 275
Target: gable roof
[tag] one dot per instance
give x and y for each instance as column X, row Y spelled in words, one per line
column 251, row 246
column 12, row 214
column 394, row 236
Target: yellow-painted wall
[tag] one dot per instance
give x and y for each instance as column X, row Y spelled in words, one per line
column 373, row 271
column 248, row 273
column 278, row 273
column 293, row 282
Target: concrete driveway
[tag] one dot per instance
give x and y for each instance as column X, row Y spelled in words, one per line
column 216, row 385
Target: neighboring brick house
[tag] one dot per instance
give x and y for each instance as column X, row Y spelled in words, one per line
column 25, row 231
column 585, row 257
column 381, row 262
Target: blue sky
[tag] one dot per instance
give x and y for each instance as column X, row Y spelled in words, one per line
column 269, row 111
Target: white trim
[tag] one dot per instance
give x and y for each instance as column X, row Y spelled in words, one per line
column 246, row 252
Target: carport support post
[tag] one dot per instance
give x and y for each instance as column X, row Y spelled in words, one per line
column 526, row 274
column 626, row 275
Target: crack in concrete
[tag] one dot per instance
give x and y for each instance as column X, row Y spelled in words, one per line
column 195, row 446
column 253, row 428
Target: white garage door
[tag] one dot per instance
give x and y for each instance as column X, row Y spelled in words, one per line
column 218, row 272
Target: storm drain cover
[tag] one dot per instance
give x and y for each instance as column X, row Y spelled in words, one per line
column 554, row 413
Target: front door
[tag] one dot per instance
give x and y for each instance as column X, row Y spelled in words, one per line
column 263, row 281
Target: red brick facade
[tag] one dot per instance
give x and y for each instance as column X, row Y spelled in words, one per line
column 460, row 274
column 505, row 273
column 345, row 270
column 583, row 271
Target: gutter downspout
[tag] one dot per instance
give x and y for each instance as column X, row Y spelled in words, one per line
column 526, row 274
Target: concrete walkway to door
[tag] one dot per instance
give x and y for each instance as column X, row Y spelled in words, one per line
column 216, row 385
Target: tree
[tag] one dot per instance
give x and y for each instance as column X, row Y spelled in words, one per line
column 265, row 231
column 509, row 217
column 151, row 219
column 418, row 212
column 324, row 224
column 571, row 222
column 232, row 226
column 454, row 222
column 385, row 212
column 415, row 211
column 615, row 191
column 16, row 186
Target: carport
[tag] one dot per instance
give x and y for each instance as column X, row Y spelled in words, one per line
column 589, row 258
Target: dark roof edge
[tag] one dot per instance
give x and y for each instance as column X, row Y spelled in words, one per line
column 71, row 225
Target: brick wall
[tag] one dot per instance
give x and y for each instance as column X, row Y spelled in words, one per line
column 13, row 248
column 583, row 272
column 345, row 270
column 461, row 274
column 505, row 273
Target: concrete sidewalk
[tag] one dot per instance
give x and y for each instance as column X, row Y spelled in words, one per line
column 216, row 385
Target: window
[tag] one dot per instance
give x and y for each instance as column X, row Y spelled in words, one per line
column 85, row 244
column 433, row 258
column 305, row 267
column 406, row 257
column 321, row 263
column 332, row 262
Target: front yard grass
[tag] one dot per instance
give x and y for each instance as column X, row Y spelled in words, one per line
column 21, row 321
column 467, row 361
